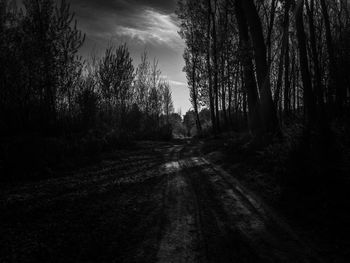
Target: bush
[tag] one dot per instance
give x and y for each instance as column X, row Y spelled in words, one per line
column 117, row 139
column 35, row 157
column 31, row 157
column 165, row 132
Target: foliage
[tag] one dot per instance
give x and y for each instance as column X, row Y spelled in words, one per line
column 262, row 63
column 48, row 91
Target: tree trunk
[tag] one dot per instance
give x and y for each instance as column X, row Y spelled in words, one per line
column 248, row 72
column 270, row 30
column 333, row 85
column 211, row 99
column 293, row 77
column 194, row 95
column 268, row 109
column 317, row 85
column 304, row 65
column 286, row 60
column 223, row 90
column 229, row 94
column 215, row 61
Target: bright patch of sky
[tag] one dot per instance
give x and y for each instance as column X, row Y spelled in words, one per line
column 144, row 25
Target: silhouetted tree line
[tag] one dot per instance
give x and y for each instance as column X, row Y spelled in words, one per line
column 266, row 63
column 280, row 69
column 47, row 88
column 58, row 109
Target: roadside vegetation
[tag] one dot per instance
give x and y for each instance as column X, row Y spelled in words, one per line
column 269, row 85
column 272, row 78
column 58, row 110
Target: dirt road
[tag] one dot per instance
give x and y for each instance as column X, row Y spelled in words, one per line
column 161, row 203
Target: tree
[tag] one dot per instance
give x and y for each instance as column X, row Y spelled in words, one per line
column 333, row 83
column 242, row 53
column 40, row 50
column 142, row 83
column 268, row 110
column 189, row 122
column 116, row 74
column 304, row 64
column 168, row 107
column 191, row 59
column 248, row 71
column 209, row 70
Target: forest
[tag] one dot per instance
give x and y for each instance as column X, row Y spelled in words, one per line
column 94, row 158
column 56, row 105
column 280, row 71
column 266, row 64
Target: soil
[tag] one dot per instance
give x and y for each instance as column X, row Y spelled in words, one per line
column 160, row 202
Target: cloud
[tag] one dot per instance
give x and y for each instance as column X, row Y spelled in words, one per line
column 177, row 83
column 144, row 25
column 156, row 28
column 125, row 6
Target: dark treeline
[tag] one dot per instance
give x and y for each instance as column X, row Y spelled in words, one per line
column 266, row 63
column 47, row 88
column 280, row 70
column 48, row 91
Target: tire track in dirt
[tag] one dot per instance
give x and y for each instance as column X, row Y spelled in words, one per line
column 238, row 227
column 220, row 241
column 94, row 217
column 183, row 210
column 181, row 237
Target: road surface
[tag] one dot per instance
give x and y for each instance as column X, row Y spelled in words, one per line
column 162, row 203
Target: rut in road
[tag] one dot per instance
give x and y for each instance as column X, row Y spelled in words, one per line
column 181, row 238
column 210, row 217
column 158, row 203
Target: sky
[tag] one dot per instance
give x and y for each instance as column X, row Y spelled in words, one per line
column 144, row 25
